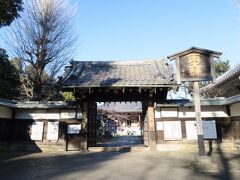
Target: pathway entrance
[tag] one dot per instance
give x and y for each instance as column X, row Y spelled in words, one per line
column 122, row 141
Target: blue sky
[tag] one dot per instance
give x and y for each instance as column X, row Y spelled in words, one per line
column 145, row 29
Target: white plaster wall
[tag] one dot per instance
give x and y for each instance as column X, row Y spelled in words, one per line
column 37, row 114
column 68, row 114
column 45, row 114
column 169, row 112
column 207, row 111
column 5, row 112
column 235, row 109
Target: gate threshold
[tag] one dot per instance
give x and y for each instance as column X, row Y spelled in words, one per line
column 118, row 149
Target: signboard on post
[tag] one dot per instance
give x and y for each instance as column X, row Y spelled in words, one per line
column 194, row 65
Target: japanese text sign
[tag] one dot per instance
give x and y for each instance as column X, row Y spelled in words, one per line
column 195, row 67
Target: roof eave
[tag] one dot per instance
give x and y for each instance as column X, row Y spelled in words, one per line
column 120, row 86
column 196, row 50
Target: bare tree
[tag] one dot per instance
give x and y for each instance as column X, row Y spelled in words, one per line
column 43, row 39
column 26, row 88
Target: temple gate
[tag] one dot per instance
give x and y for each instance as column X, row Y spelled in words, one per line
column 124, row 81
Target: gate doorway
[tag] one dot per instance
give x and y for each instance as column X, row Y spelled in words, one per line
column 120, row 124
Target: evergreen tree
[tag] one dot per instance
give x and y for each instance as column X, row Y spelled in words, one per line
column 221, row 66
column 9, row 78
column 9, row 10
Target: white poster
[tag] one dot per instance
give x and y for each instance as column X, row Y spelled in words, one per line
column 159, row 126
column 172, row 130
column 74, row 128
column 37, row 131
column 79, row 115
column 191, row 130
column 209, row 129
column 52, row 133
column 157, row 113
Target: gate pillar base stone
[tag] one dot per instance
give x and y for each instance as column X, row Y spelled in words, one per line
column 152, row 141
column 152, row 146
column 84, row 145
column 204, row 164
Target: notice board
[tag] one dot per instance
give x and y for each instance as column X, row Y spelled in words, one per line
column 209, row 129
column 52, row 133
column 74, row 128
column 37, row 131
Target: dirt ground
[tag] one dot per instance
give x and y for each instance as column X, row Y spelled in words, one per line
column 147, row 165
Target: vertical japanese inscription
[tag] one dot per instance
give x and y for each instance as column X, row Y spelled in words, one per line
column 195, row 67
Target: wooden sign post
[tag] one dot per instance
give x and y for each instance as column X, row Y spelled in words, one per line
column 194, row 65
column 197, row 105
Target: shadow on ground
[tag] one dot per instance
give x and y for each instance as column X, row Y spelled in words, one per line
column 114, row 165
column 43, row 165
column 228, row 164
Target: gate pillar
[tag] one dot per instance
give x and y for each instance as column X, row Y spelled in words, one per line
column 92, row 115
column 151, row 126
column 84, row 136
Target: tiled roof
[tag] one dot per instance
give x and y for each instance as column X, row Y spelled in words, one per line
column 118, row 73
column 45, row 105
column 7, row 103
column 221, row 80
column 219, row 101
column 37, row 104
